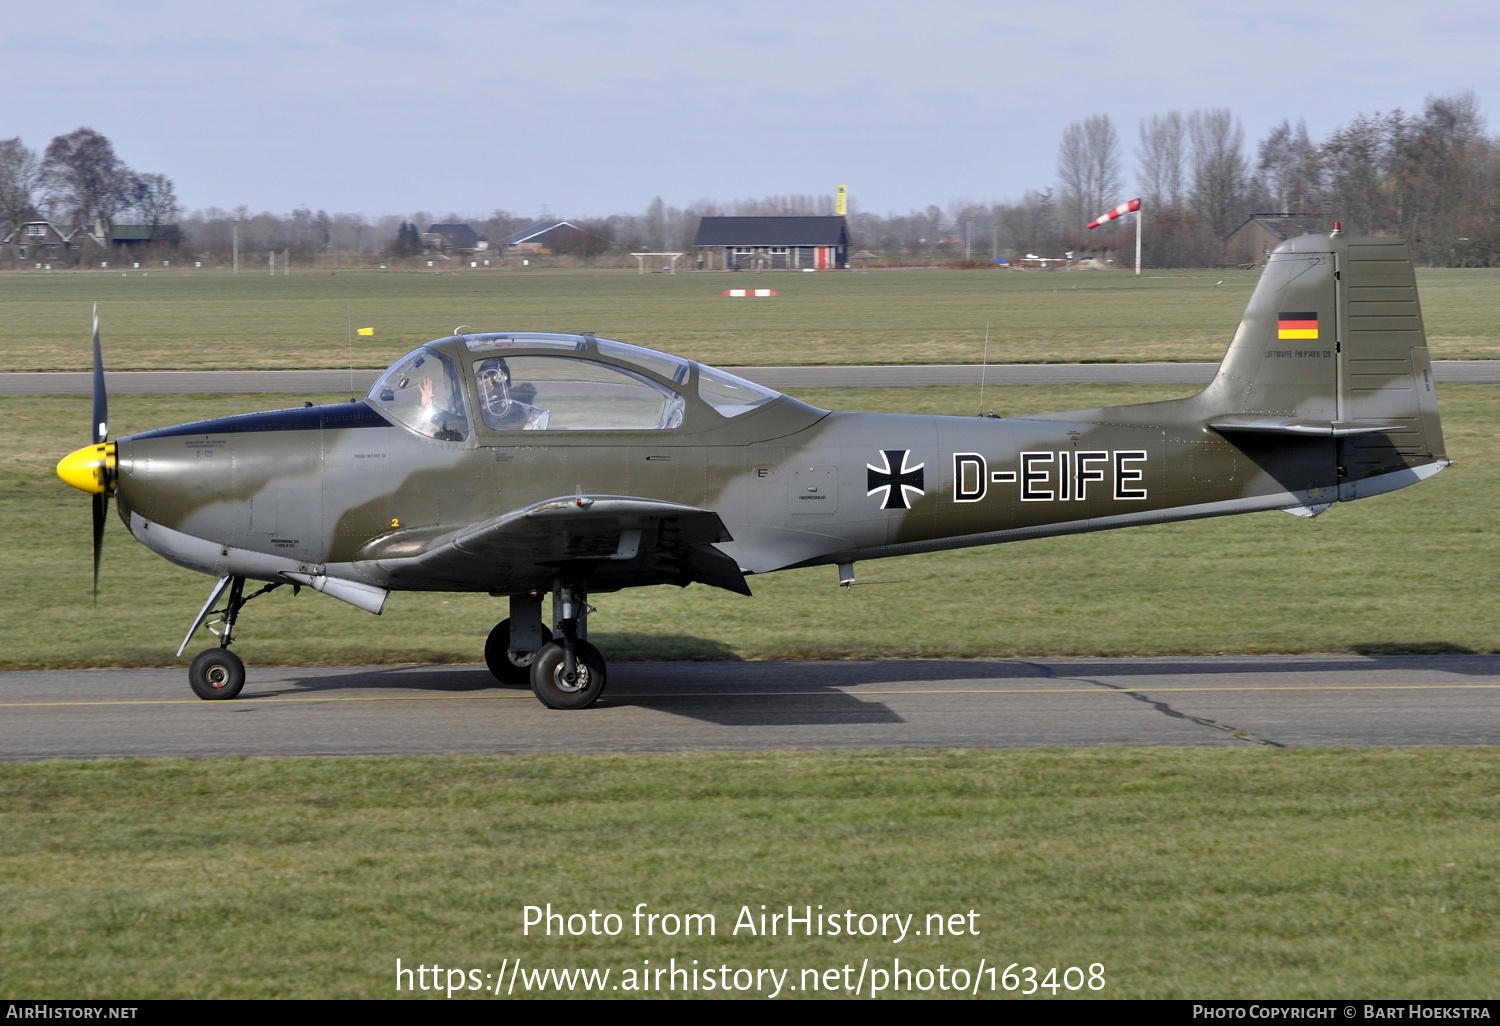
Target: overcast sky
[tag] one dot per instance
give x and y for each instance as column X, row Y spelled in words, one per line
column 592, row 107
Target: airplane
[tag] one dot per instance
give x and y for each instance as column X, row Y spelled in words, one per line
column 523, row 464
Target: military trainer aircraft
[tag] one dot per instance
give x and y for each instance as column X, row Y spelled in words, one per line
column 522, row 464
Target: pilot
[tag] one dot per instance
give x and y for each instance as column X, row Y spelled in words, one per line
column 506, row 407
column 434, row 419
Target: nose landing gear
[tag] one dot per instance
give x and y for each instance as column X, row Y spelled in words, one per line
column 217, row 673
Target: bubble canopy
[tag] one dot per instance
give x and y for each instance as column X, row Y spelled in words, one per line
column 537, row 381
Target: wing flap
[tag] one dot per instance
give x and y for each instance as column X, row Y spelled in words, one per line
column 615, row 541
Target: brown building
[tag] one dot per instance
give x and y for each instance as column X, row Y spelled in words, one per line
column 1260, row 233
column 44, row 243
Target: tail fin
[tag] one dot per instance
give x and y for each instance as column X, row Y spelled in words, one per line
column 1332, row 345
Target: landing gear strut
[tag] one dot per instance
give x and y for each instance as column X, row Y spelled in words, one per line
column 512, row 646
column 568, row 672
column 217, row 673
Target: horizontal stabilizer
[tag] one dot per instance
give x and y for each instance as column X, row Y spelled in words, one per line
column 1257, row 423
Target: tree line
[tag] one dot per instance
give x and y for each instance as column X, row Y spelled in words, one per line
column 79, row 180
column 1431, row 177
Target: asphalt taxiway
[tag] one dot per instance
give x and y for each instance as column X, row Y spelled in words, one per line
column 1274, row 701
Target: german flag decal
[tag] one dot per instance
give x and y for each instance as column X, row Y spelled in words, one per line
column 1297, row 325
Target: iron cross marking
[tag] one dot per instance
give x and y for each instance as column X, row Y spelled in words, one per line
column 893, row 482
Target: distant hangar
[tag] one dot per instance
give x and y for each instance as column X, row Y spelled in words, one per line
column 773, row 243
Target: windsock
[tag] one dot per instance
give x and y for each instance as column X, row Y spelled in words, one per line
column 1120, row 211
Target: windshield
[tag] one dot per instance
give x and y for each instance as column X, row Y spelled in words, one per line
column 421, row 390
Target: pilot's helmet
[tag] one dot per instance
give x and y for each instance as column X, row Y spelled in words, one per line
column 493, row 367
column 494, row 382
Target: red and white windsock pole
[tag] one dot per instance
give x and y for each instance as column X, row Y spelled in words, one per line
column 1134, row 206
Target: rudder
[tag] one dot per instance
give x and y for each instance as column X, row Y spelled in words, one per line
column 1387, row 372
column 1332, row 345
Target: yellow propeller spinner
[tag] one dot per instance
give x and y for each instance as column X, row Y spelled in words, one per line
column 90, row 469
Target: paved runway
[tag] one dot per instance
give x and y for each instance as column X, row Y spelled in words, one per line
column 315, row 382
column 657, row 707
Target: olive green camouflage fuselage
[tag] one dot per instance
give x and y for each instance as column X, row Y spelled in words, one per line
column 1324, row 395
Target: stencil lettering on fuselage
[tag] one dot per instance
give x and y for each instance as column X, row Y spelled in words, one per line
column 1055, row 476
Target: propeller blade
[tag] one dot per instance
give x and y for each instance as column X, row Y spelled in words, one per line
column 100, row 430
column 101, row 511
column 101, row 400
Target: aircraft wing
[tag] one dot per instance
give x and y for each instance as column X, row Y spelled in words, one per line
column 616, row 541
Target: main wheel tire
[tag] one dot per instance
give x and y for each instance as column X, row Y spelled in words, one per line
column 497, row 658
column 216, row 674
column 547, row 676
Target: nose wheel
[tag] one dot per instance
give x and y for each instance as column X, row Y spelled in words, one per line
column 216, row 673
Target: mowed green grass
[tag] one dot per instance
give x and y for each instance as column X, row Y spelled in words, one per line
column 185, row 319
column 1225, row 873
column 1412, row 571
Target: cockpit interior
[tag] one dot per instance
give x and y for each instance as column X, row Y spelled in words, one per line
column 530, row 381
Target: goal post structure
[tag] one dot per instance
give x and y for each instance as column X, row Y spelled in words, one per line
column 670, row 268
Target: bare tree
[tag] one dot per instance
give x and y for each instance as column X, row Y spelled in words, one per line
column 1287, row 171
column 1220, row 172
column 799, row 204
column 85, row 180
column 1355, row 158
column 1435, row 164
column 653, row 225
column 498, row 225
column 20, row 178
column 1088, row 169
column 156, row 201
column 1030, row 226
column 350, row 234
column 680, row 227
column 1161, row 160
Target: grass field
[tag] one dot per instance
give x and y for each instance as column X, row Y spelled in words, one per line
column 183, row 319
column 1413, row 571
column 1186, row 873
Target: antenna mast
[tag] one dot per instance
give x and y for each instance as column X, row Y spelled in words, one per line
column 349, row 313
column 984, row 368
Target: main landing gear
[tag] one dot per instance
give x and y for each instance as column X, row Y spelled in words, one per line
column 563, row 669
column 217, row 673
